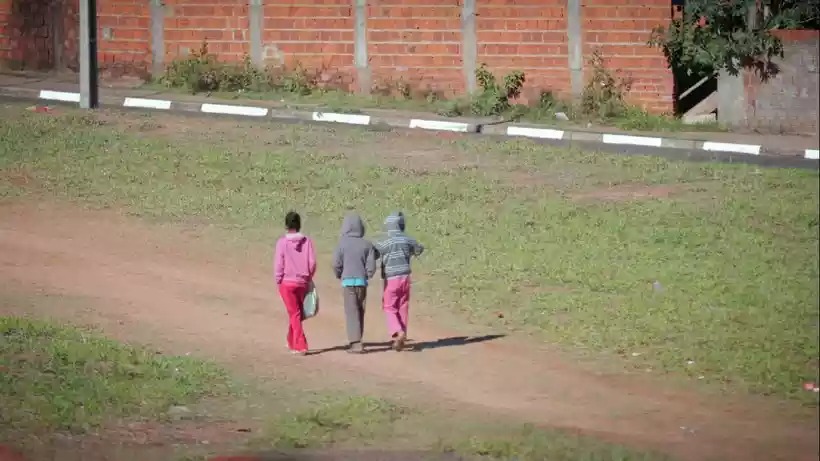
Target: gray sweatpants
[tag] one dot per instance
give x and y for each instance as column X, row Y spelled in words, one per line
column 354, row 300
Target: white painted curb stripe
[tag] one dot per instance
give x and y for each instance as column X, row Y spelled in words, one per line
column 59, row 96
column 813, row 154
column 234, row 110
column 731, row 147
column 541, row 133
column 439, row 125
column 632, row 140
column 352, row 119
column 147, row 103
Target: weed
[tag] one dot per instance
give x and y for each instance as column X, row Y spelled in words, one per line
column 494, row 98
column 202, row 72
column 603, row 95
column 62, row 378
column 299, row 82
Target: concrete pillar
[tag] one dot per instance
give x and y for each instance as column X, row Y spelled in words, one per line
column 256, row 18
column 575, row 47
column 468, row 44
column 157, row 38
column 731, row 99
column 360, row 59
column 56, row 20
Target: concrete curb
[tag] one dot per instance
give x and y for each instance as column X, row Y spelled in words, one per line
column 526, row 131
column 642, row 141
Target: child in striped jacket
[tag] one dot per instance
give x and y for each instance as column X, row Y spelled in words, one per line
column 395, row 252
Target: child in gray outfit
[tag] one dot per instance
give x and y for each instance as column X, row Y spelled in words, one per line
column 354, row 263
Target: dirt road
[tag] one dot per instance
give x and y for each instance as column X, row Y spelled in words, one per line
column 175, row 290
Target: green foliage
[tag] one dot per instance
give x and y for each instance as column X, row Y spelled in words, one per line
column 493, row 99
column 604, row 93
column 202, row 72
column 731, row 35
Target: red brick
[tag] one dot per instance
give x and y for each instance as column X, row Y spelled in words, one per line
column 620, row 30
column 540, row 12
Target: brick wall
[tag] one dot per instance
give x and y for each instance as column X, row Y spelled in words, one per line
column 5, row 39
column 620, row 30
column 316, row 34
column 526, row 35
column 417, row 42
column 124, row 35
column 26, row 38
column 788, row 102
column 222, row 23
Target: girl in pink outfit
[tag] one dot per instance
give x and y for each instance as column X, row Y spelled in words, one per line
column 293, row 267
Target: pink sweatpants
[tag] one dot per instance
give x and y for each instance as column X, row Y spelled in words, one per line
column 293, row 296
column 396, row 303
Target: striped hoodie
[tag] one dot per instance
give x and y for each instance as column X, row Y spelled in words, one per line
column 395, row 250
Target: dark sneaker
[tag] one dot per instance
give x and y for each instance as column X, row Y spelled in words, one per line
column 398, row 343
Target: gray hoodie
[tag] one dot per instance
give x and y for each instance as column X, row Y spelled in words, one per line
column 354, row 257
column 397, row 248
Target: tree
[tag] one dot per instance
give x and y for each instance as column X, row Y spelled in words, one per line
column 730, row 35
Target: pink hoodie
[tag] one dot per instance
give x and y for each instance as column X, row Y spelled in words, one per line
column 295, row 260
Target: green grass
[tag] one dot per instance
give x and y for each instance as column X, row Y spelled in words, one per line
column 360, row 422
column 530, row 444
column 335, row 421
column 62, row 378
column 735, row 248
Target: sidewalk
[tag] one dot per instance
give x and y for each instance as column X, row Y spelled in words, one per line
column 64, row 88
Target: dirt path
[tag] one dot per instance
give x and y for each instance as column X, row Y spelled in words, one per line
column 160, row 285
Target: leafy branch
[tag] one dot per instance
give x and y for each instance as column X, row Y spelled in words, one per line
column 732, row 35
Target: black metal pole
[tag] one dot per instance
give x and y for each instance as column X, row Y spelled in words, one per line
column 89, row 82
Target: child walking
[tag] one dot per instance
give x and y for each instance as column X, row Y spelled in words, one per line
column 294, row 267
column 395, row 252
column 354, row 263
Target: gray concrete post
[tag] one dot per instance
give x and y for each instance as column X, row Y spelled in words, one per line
column 575, row 47
column 360, row 59
column 468, row 44
column 56, row 20
column 256, row 18
column 157, row 38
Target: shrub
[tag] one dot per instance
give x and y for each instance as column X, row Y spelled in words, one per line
column 494, row 98
column 202, row 72
column 604, row 94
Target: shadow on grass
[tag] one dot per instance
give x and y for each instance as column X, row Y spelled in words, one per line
column 453, row 341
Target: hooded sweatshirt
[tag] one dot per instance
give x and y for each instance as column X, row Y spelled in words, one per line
column 354, row 260
column 294, row 261
column 397, row 248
